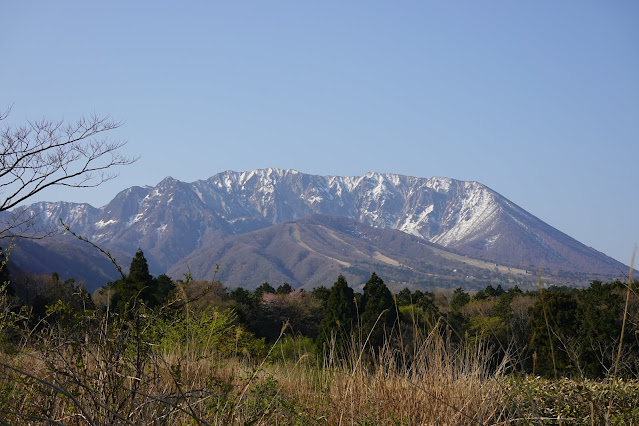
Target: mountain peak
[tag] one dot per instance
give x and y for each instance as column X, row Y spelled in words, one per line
column 168, row 181
column 172, row 219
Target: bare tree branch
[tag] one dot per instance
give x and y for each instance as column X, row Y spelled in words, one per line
column 43, row 154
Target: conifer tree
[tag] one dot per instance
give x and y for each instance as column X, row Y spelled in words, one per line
column 284, row 289
column 379, row 314
column 321, row 293
column 137, row 286
column 339, row 316
column 264, row 288
column 163, row 287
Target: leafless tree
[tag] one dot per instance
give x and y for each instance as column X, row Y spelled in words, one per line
column 43, row 154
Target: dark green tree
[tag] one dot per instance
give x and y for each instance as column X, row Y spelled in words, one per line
column 404, row 297
column 162, row 289
column 456, row 319
column 322, row 294
column 137, row 287
column 242, row 296
column 284, row 289
column 459, row 299
column 379, row 314
column 600, row 310
column 339, row 316
column 553, row 323
column 264, row 288
column 426, row 302
column 243, row 302
column 139, row 269
column 502, row 308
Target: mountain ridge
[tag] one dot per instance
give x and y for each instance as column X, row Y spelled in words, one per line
column 174, row 219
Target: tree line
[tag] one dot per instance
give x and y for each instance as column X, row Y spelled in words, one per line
column 555, row 331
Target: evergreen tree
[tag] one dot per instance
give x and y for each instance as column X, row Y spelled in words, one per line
column 243, row 302
column 137, row 286
column 426, row 302
column 379, row 313
column 284, row 289
column 559, row 308
column 459, row 299
column 322, row 294
column 600, row 314
column 162, row 289
column 456, row 319
column 339, row 316
column 264, row 288
column 242, row 296
column 139, row 269
column 404, row 297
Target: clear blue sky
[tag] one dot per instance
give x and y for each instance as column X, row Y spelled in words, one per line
column 538, row 100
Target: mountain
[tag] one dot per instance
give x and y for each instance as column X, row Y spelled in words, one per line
column 177, row 221
column 315, row 249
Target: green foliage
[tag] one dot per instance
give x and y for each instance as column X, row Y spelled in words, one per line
column 52, row 290
column 266, row 404
column 489, row 292
column 379, row 313
column 293, row 348
column 140, row 287
column 5, row 275
column 284, row 289
column 459, row 299
column 242, row 296
column 205, row 332
column 163, row 288
column 322, row 294
column 426, row 302
column 600, row 310
column 262, row 289
column 491, row 329
column 503, row 307
column 404, row 297
column 182, row 363
column 415, row 315
column 339, row 316
column 554, row 347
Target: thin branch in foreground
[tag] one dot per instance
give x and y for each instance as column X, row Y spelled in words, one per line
column 86, row 240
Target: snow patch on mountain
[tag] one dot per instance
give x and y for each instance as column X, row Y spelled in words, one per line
column 102, row 223
column 439, row 184
column 413, row 222
column 477, row 210
column 160, row 230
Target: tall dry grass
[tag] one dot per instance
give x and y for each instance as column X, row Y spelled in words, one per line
column 99, row 370
column 438, row 383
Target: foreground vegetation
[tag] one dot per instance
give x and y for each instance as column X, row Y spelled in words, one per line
column 146, row 350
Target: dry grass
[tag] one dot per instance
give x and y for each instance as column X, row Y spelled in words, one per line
column 441, row 384
column 437, row 383
column 122, row 374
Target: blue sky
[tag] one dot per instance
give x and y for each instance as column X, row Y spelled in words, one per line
column 537, row 100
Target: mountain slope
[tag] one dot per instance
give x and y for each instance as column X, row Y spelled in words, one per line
column 174, row 220
column 313, row 250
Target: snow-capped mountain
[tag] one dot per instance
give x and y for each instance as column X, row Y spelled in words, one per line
column 173, row 219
